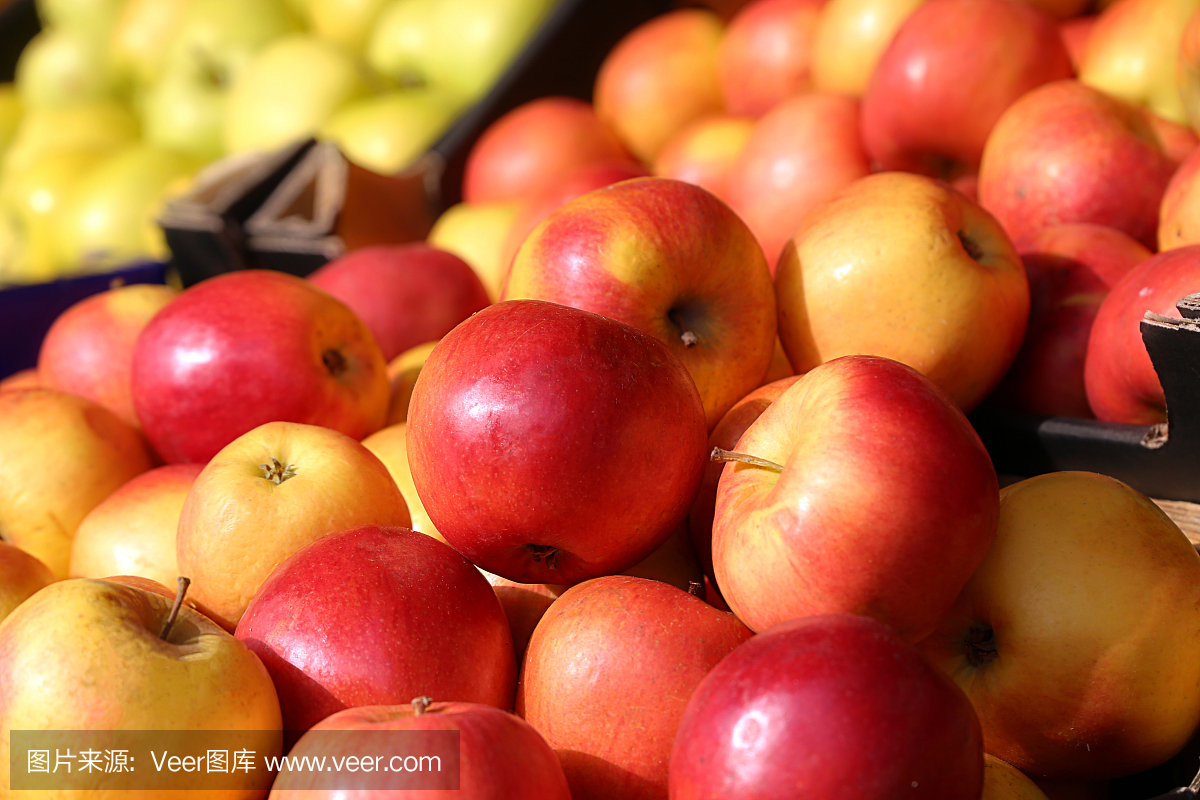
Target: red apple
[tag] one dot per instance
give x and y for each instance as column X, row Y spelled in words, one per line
column 951, row 70
column 636, row 648
column 534, row 146
column 500, row 756
column 1178, row 141
column 377, row 615
column 1075, row 32
column 1178, row 224
column 799, row 153
column 88, row 350
column 765, row 54
column 1070, row 268
column 1066, row 152
column 1122, row 385
column 882, row 501
column 250, row 347
column 407, row 294
column 659, row 77
column 671, row 260
column 21, row 379
column 725, row 436
column 704, row 152
column 551, row 445
column 827, row 706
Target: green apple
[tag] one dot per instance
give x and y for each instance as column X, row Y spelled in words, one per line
column 402, row 41
column 104, row 124
column 91, row 17
column 346, row 22
column 140, row 37
column 110, row 217
column 387, row 132
column 61, row 66
column 288, row 91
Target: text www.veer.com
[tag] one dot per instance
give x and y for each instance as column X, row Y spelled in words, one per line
column 353, row 763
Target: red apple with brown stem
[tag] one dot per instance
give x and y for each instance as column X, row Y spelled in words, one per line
column 550, row 444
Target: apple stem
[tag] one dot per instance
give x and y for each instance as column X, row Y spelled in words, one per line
column 276, row 472
column 718, row 454
column 689, row 338
column 695, row 588
column 179, row 593
column 421, row 704
column 543, row 552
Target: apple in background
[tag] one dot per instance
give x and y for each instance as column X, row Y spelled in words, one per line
column 20, row 576
column 402, row 374
column 390, row 446
column 249, row 347
column 725, row 436
column 476, row 233
column 525, row 384
column 109, row 219
column 849, row 38
column 704, row 152
column 407, row 294
column 24, row 379
column 659, row 77
column 1075, row 32
column 372, row 615
column 302, row 482
column 1133, row 53
column 1122, row 385
column 1177, row 140
column 671, row 260
column 798, row 154
column 92, row 16
column 1188, row 69
column 1177, row 222
column 1003, row 781
column 345, row 22
column 903, row 266
column 141, row 34
column 635, row 647
column 822, row 686
column 60, row 456
column 766, row 53
column 1066, row 152
column 183, row 106
column 535, row 146
column 1070, row 269
column 61, row 66
column 500, row 755
column 106, row 125
column 402, row 41
column 386, row 133
column 535, row 209
column 872, row 465
column 91, row 655
column 524, row 605
column 290, row 87
column 1077, row 638
column 88, row 350
column 132, row 531
column 951, row 70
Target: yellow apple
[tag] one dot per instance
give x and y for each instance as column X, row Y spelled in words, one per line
column 132, row 531
column 1133, row 53
column 346, row 22
column 300, row 483
column 60, row 455
column 402, row 374
column 21, row 575
column 1078, row 637
column 390, row 446
column 62, row 66
column 101, row 125
column 849, row 38
column 91, row 655
column 141, row 34
column 476, row 233
column 387, row 132
column 1003, row 781
column 11, row 112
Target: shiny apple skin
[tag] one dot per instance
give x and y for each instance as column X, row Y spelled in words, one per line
column 407, row 294
column 376, row 615
column 828, row 706
column 501, row 757
column 635, row 647
column 534, row 423
column 246, row 348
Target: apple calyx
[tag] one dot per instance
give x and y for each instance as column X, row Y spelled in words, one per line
column 695, row 588
column 686, row 335
column 335, row 362
column 972, row 247
column 179, row 593
column 421, row 704
column 718, row 454
column 543, row 552
column 981, row 645
column 276, row 472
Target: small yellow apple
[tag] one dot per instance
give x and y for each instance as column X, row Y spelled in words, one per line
column 476, row 233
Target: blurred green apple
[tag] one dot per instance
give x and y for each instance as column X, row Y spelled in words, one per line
column 346, row 22
column 386, row 133
column 62, row 66
column 402, row 40
column 92, row 17
column 110, row 217
column 11, row 112
column 288, row 91
column 140, row 37
column 104, row 124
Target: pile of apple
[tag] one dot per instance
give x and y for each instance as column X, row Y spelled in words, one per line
column 117, row 103
column 650, row 472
